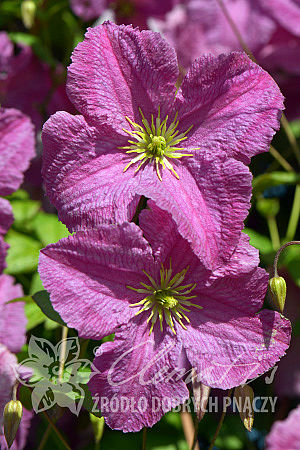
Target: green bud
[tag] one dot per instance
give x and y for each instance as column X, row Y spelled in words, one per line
column 11, row 420
column 98, row 426
column 278, row 291
column 28, row 8
column 268, row 207
column 244, row 396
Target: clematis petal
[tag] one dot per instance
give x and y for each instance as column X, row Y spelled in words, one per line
column 227, row 348
column 6, row 216
column 117, row 69
column 87, row 274
column 285, row 12
column 208, row 203
column 83, row 172
column 285, row 433
column 133, row 371
column 89, row 9
column 3, row 250
column 8, row 367
column 233, row 105
column 16, row 148
column 12, row 315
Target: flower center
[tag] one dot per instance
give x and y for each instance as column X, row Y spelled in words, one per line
column 167, row 299
column 155, row 142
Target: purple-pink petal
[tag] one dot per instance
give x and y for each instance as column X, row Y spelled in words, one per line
column 132, row 385
column 228, row 348
column 116, row 70
column 233, row 105
column 88, row 9
column 87, row 274
column 285, row 433
column 12, row 316
column 16, row 148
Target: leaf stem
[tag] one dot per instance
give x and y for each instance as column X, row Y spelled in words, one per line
column 278, row 254
column 219, row 424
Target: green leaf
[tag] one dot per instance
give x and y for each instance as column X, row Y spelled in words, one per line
column 268, row 180
column 49, row 229
column 23, row 254
column 36, row 284
column 20, row 194
column 24, row 212
column 89, row 404
column 259, row 241
column 42, row 299
column 34, row 316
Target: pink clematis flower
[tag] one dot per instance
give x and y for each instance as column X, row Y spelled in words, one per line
column 185, row 148
column 285, row 433
column 168, row 313
column 270, row 30
column 135, row 12
column 16, row 150
column 24, row 81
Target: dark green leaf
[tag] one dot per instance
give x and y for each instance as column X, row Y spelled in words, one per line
column 42, row 299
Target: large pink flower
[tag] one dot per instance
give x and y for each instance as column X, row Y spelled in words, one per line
column 189, row 160
column 149, row 288
column 16, row 150
column 285, row 433
column 270, row 30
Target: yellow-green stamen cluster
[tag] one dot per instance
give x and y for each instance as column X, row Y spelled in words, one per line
column 166, row 299
column 155, row 142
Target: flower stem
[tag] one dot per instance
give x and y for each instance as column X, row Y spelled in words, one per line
column 62, row 355
column 278, row 254
column 290, row 135
column 294, row 217
column 281, row 160
column 219, row 424
column 144, row 445
column 273, row 230
column 190, row 432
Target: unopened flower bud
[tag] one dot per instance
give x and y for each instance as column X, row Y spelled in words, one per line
column 243, row 396
column 28, row 8
column 201, row 394
column 11, row 420
column 278, row 291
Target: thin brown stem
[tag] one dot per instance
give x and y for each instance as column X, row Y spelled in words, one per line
column 144, row 445
column 219, row 424
column 189, row 430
